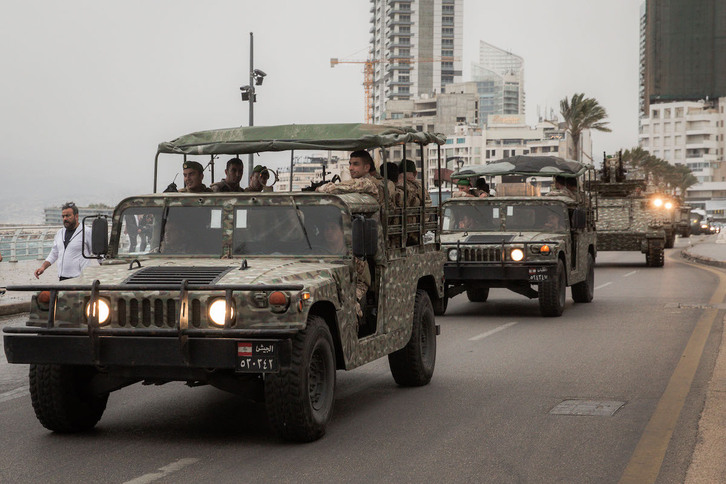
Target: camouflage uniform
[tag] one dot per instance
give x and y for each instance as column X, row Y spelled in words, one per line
column 391, row 191
column 365, row 184
column 223, row 186
column 362, row 284
column 461, row 193
column 561, row 192
column 202, row 189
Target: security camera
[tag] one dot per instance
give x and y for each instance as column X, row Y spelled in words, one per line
column 259, row 73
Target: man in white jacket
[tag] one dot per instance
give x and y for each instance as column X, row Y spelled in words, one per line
column 67, row 246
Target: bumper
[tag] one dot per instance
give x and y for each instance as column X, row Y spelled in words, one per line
column 163, row 349
column 493, row 273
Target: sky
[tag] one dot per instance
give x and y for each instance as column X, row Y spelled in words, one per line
column 89, row 89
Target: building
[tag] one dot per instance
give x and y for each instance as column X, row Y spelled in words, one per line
column 308, row 169
column 499, row 76
column 415, row 48
column 687, row 132
column 683, row 51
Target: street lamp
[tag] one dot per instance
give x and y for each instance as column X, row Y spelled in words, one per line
column 248, row 94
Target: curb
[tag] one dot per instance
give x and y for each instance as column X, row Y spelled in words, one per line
column 701, row 259
column 14, row 308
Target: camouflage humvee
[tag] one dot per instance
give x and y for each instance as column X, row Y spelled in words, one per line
column 533, row 245
column 253, row 293
column 627, row 218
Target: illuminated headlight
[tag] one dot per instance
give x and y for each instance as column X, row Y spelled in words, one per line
column 657, row 202
column 517, row 254
column 216, row 312
column 669, row 205
column 103, row 308
column 453, row 255
column 704, row 226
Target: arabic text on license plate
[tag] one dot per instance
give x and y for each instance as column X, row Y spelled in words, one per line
column 257, row 356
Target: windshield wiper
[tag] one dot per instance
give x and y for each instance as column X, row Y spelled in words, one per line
column 298, row 212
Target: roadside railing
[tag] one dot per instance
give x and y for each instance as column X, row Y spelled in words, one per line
column 26, row 242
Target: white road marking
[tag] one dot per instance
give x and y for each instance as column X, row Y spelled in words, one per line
column 630, row 273
column 603, row 285
column 495, row 330
column 163, row 471
column 13, row 394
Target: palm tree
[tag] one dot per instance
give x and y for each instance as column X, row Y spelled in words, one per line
column 582, row 113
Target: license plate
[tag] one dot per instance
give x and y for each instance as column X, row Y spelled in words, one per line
column 538, row 274
column 257, row 357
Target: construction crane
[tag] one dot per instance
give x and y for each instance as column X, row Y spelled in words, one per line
column 368, row 75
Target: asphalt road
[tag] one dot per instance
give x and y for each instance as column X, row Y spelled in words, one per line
column 486, row 416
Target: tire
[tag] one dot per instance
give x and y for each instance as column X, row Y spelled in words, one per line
column 413, row 365
column 477, row 294
column 584, row 291
column 654, row 257
column 62, row 398
column 552, row 294
column 299, row 399
column 440, row 305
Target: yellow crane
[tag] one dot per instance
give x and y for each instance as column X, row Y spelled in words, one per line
column 368, row 75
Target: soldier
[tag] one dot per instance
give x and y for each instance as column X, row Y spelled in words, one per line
column 193, row 176
column 391, row 188
column 361, row 180
column 482, row 189
column 234, row 171
column 560, row 189
column 463, row 189
column 333, row 234
column 258, row 180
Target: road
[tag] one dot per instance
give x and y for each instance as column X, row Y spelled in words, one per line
column 487, row 415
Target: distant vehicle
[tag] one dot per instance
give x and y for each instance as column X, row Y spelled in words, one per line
column 699, row 224
column 535, row 246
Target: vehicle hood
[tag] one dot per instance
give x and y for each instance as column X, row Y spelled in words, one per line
column 501, row 237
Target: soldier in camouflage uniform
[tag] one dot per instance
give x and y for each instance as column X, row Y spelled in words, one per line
column 560, row 189
column 464, row 189
column 234, row 171
column 334, row 236
column 361, row 181
column 193, row 176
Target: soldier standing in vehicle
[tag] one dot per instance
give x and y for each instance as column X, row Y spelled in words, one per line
column 464, row 189
column 258, row 180
column 193, row 176
column 560, row 189
column 234, row 171
column 361, row 181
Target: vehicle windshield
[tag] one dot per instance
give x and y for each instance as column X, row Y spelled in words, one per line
column 257, row 230
column 502, row 217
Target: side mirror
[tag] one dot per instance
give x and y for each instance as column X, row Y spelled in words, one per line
column 579, row 219
column 99, row 236
column 365, row 236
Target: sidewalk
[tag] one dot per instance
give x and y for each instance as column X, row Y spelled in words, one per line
column 709, row 250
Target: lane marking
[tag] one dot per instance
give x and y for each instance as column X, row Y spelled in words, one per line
column 489, row 333
column 630, row 273
column 602, row 285
column 647, row 459
column 163, row 471
column 13, row 394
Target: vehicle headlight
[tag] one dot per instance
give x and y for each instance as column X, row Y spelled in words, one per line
column 704, row 226
column 217, row 310
column 657, row 202
column 453, row 255
column 278, row 301
column 669, row 205
column 517, row 254
column 541, row 249
column 104, row 310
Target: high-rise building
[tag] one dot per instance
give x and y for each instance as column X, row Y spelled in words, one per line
column 683, row 51
column 416, row 49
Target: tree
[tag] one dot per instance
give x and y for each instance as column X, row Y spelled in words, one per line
column 582, row 113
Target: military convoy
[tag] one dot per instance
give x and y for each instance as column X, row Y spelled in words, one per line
column 533, row 245
column 253, row 293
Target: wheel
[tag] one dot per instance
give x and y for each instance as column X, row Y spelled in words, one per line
column 654, row 257
column 477, row 294
column 413, row 365
column 552, row 293
column 584, row 291
column 440, row 305
column 670, row 241
column 299, row 399
column 62, row 397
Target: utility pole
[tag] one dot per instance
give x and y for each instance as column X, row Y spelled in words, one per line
column 248, row 94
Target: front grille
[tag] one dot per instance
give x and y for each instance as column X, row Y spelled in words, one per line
column 159, row 312
column 175, row 275
column 481, row 254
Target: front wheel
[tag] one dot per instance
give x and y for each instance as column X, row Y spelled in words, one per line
column 477, row 294
column 63, row 399
column 299, row 399
column 552, row 293
column 413, row 365
column 584, row 291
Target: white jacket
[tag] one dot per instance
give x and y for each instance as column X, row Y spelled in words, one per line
column 70, row 260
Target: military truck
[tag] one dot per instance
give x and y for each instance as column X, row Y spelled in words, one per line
column 247, row 292
column 536, row 246
column 627, row 218
column 683, row 220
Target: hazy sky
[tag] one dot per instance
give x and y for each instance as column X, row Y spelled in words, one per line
column 89, row 88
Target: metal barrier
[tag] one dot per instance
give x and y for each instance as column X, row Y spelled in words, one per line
column 26, row 243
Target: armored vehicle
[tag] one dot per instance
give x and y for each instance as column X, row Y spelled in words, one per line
column 253, row 293
column 627, row 218
column 683, row 220
column 533, row 245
